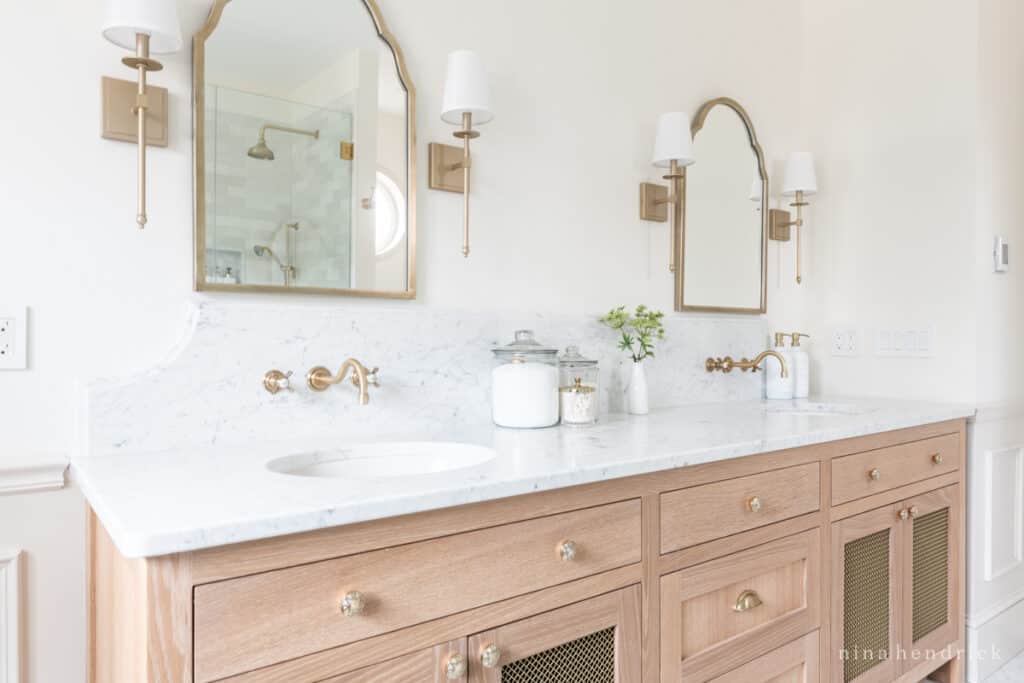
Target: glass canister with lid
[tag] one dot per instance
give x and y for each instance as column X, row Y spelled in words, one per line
column 524, row 384
column 578, row 388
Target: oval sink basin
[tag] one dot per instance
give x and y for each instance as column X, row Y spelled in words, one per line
column 383, row 460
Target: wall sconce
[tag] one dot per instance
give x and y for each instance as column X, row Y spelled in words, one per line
column 467, row 100
column 673, row 149
column 800, row 182
column 143, row 26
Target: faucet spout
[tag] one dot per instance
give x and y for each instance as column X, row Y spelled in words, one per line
column 320, row 378
column 783, row 369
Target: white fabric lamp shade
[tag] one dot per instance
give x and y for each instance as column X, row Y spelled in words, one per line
column 156, row 18
column 800, row 175
column 673, row 141
column 465, row 89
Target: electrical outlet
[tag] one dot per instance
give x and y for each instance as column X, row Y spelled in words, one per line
column 13, row 337
column 845, row 342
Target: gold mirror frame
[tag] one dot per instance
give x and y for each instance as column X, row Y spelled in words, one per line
column 695, row 127
column 199, row 168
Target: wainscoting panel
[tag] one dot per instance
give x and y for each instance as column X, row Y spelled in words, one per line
column 1004, row 505
column 10, row 616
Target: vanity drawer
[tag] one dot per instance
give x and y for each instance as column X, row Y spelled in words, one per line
column 720, row 615
column 863, row 474
column 704, row 513
column 796, row 662
column 253, row 621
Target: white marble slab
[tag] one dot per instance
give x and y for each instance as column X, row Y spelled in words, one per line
column 435, row 370
column 189, row 498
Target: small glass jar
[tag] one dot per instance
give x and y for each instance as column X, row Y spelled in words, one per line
column 578, row 388
column 524, row 384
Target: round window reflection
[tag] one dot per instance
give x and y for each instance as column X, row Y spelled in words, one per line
column 390, row 214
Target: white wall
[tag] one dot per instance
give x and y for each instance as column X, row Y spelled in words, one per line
column 555, row 224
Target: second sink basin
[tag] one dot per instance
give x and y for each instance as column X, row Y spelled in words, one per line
column 383, row 460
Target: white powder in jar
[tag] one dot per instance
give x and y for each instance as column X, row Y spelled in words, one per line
column 525, row 395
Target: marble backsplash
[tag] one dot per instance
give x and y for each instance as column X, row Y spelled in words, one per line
column 435, row 373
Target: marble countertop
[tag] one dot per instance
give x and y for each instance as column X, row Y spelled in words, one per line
column 177, row 501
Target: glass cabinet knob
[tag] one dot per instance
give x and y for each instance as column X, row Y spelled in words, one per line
column 937, row 458
column 567, row 550
column 904, row 514
column 875, row 474
column 353, row 604
column 754, row 504
column 455, row 667
column 490, row 656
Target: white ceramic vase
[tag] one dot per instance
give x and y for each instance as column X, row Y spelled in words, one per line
column 636, row 391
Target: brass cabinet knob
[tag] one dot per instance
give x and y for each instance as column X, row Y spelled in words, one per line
column 746, row 601
column 913, row 511
column 455, row 667
column 904, row 515
column 937, row 458
column 754, row 504
column 353, row 604
column 490, row 656
column 567, row 550
column 875, row 474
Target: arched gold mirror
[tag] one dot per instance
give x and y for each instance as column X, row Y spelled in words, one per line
column 305, row 168
column 724, row 232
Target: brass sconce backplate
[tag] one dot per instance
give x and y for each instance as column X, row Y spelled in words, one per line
column 445, row 170
column 119, row 121
column 347, row 151
column 779, row 222
column 653, row 202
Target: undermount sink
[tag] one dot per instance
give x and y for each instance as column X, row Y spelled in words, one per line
column 811, row 408
column 383, row 460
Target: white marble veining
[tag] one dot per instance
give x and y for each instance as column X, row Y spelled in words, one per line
column 435, row 370
column 188, row 498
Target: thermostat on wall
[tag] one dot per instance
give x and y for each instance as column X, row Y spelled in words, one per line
column 1002, row 255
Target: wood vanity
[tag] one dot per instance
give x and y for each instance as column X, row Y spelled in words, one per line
column 748, row 570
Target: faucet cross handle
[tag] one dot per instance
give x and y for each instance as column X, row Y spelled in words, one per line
column 372, row 378
column 275, row 381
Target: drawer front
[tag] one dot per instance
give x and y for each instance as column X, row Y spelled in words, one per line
column 796, row 662
column 863, row 474
column 250, row 622
column 721, row 614
column 704, row 513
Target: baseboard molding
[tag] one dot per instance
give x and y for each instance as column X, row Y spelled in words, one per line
column 10, row 616
column 993, row 643
column 21, row 477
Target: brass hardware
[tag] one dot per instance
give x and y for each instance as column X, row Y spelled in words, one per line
column 875, row 474
column 727, row 364
column 353, row 604
column 780, row 222
column 779, row 339
column 347, row 151
column 567, row 550
column 904, row 514
column 490, row 656
column 795, row 338
column 200, row 283
column 754, row 504
column 746, row 601
column 762, row 171
column 655, row 198
column 319, row 378
column 119, row 119
column 778, row 225
column 455, row 667
column 275, row 381
column 914, row 511
column 937, row 458
column 445, row 162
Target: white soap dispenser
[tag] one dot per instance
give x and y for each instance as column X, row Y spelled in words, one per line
column 777, row 386
column 801, row 366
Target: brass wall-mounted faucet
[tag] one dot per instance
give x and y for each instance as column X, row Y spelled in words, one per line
column 319, row 378
column 727, row 364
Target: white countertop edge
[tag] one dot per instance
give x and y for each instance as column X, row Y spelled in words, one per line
column 140, row 545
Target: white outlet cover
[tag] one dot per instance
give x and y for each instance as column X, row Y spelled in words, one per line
column 13, row 337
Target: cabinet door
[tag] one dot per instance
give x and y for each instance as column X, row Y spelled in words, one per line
column 867, row 573
column 597, row 641
column 931, row 557
column 439, row 664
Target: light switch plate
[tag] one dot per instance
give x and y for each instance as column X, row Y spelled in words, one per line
column 13, row 337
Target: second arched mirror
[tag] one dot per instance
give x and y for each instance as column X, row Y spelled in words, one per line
column 722, row 249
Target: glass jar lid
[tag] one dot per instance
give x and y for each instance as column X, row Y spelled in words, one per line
column 572, row 358
column 524, row 347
